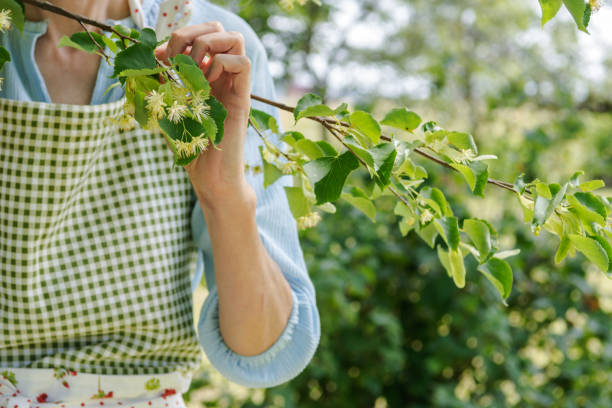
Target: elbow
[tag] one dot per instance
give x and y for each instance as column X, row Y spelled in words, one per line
column 283, row 361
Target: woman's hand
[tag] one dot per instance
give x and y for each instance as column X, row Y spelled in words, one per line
column 218, row 175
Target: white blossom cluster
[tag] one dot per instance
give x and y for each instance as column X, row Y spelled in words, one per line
column 5, row 20
column 271, row 154
column 596, row 4
column 5, row 25
column 309, row 220
column 175, row 104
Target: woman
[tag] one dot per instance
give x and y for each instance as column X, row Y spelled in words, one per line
column 97, row 229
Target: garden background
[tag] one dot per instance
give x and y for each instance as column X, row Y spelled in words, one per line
column 396, row 331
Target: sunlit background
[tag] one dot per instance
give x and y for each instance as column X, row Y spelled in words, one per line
column 396, row 332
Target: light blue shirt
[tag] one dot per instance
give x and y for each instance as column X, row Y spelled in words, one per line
column 294, row 349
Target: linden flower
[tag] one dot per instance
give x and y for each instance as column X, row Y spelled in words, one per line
column 596, row 4
column 199, row 142
column 125, row 122
column 268, row 155
column 176, row 112
column 309, row 220
column 183, row 149
column 290, row 167
column 426, row 216
column 200, row 111
column 191, row 148
column 198, row 97
column 5, row 20
column 156, row 104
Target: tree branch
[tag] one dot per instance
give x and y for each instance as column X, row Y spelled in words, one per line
column 45, row 5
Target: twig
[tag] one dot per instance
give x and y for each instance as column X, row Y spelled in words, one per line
column 100, row 48
column 329, row 123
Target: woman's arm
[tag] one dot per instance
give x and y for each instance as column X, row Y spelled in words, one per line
column 295, row 347
column 255, row 299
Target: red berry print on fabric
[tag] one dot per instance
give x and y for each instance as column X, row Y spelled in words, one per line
column 42, row 397
column 167, row 392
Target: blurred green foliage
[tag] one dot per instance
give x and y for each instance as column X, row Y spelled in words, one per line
column 396, row 332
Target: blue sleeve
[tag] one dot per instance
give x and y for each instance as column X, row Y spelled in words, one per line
column 294, row 349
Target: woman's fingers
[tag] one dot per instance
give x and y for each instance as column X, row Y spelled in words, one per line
column 184, row 37
column 239, row 65
column 217, row 43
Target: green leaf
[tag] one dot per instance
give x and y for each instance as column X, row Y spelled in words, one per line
column 437, row 197
column 543, row 190
column 271, row 172
column 264, row 121
column 362, row 153
column 141, row 72
column 457, row 267
column 140, row 105
column 218, row 114
column 363, row 204
column 476, row 175
column 444, row 260
column 327, row 148
column 563, row 250
column 413, row 171
column 448, row 227
column 586, row 215
column 328, row 174
column 4, row 56
column 309, row 148
column 112, row 46
column 462, row 141
column 593, row 203
column 82, row 41
column 543, row 207
column 499, row 273
column 402, row 119
column 192, row 75
column 606, row 246
column 550, row 8
column 384, row 157
column 577, row 9
column 17, row 15
column 298, row 203
column 311, row 105
column 591, row 185
column 428, row 233
column 480, row 234
column 137, row 56
column 366, row 124
column 148, row 37
column 592, row 249
column 586, row 19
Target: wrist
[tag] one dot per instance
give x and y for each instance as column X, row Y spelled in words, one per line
column 228, row 201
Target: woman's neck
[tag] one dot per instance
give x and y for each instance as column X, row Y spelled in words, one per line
column 59, row 26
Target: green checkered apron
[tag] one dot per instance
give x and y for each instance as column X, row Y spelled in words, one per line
column 95, row 244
